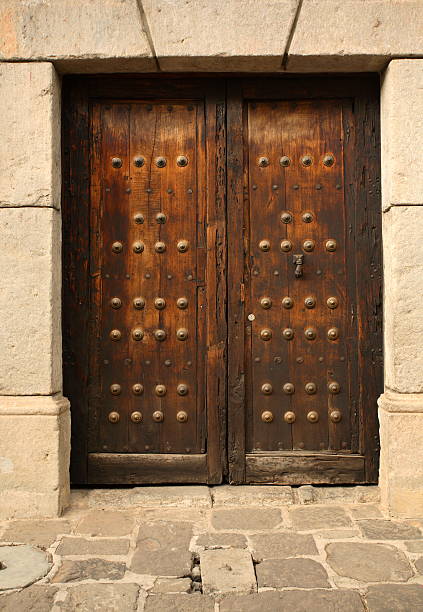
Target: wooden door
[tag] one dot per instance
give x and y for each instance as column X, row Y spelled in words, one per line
column 305, row 312
column 153, row 238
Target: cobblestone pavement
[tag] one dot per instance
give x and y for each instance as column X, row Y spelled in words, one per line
column 195, row 549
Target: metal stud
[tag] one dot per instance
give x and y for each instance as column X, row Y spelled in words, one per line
column 286, row 246
column 312, row 416
column 182, row 161
column 137, row 389
column 264, row 245
column 330, row 245
column 139, row 161
column 328, row 160
column 115, row 389
column 332, row 302
column 136, row 417
column 139, row 218
column 159, row 303
column 114, row 417
column 284, row 161
column 182, row 333
column 310, row 333
column 115, row 335
column 288, row 333
column 137, row 334
column 310, row 388
column 287, row 302
column 115, row 303
column 333, row 333
column 138, row 247
column 160, row 390
column 307, row 217
column 267, row 389
column 117, row 247
column 266, row 334
column 334, row 387
column 263, row 162
column 160, row 335
column 182, row 303
column 116, row 162
column 160, row 247
column 335, row 416
column 160, row 162
column 308, row 245
column 289, row 417
column 267, row 416
column 158, row 416
column 286, row 217
column 161, row 218
column 310, row 302
column 182, row 416
column 182, row 246
column 306, row 160
column 288, row 388
column 182, row 389
column 266, row 303
column 139, row 303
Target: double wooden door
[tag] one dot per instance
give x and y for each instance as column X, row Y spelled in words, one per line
column 222, row 279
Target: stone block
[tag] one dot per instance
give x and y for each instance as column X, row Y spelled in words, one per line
column 21, row 566
column 106, row 523
column 403, row 269
column 199, row 35
column 93, row 548
column 354, row 35
column 401, row 458
column 30, row 128
column 221, row 540
column 100, row 597
column 250, row 495
column 90, row 569
column 398, row 597
column 380, row 529
column 319, row 517
column 78, row 37
column 38, row 533
column 227, row 571
column 172, row 497
column 280, row 545
column 246, row 519
column 172, row 585
column 317, row 600
column 32, row 599
column 414, row 546
column 179, row 603
column 34, row 463
column 402, row 127
column 295, row 573
column 30, row 300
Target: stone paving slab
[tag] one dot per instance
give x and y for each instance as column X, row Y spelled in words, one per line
column 172, row 585
column 22, row 565
column 38, row 533
column 32, row 599
column 108, row 523
column 395, row 598
column 179, row 603
column 316, row 600
column 227, row 571
column 94, row 569
column 250, row 495
column 279, row 545
column 419, row 565
column 380, row 529
column 301, row 573
column 415, row 546
column 82, row 546
column 221, row 540
column 188, row 496
column 100, row 598
column 319, row 517
column 365, row 511
column 246, row 519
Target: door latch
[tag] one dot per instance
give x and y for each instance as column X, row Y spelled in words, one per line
column 298, row 261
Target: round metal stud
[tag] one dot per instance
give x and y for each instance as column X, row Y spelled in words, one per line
column 330, row 245
column 114, row 417
column 182, row 389
column 287, row 302
column 115, row 389
column 310, row 333
column 289, row 417
column 310, row 302
column 334, row 387
column 139, row 303
column 157, row 416
column 160, row 162
column 333, row 333
column 284, row 161
column 182, row 161
column 264, row 245
column 332, row 302
column 266, row 334
column 263, row 162
column 139, row 161
column 288, row 333
column 312, row 416
column 286, row 217
column 267, row 389
column 267, row 416
column 306, row 160
column 335, row 416
column 115, row 303
column 308, row 245
column 160, row 247
column 136, row 417
column 160, row 390
column 117, row 247
column 310, row 388
column 182, row 416
column 328, row 160
column 182, row 333
column 159, row 303
column 160, row 335
column 288, row 388
column 251, row 317
column 116, row 162
column 182, row 246
column 266, row 303
column 307, row 217
column 137, row 334
column 137, row 389
column 139, row 218
column 286, row 246
column 115, row 335
column 138, row 247
column 161, row 218
column 182, row 303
